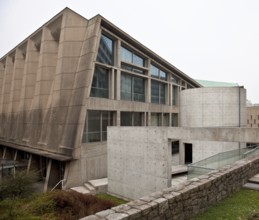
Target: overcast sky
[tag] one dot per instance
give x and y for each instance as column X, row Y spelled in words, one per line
column 214, row 40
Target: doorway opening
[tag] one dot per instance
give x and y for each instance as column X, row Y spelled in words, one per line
column 188, row 153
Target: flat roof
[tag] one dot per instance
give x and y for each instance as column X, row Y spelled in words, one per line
column 207, row 83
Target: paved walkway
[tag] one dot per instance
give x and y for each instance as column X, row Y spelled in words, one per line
column 253, row 183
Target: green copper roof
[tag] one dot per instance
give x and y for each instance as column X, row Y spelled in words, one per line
column 206, row 83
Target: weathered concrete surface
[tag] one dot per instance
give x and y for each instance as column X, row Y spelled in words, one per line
column 211, row 107
column 138, row 161
column 139, row 158
column 214, row 134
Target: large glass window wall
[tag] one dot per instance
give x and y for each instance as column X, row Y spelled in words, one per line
column 158, row 92
column 96, row 123
column 132, row 88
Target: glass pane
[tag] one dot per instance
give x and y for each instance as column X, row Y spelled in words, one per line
column 137, row 60
column 174, row 120
column 94, row 82
column 175, row 79
column 104, row 136
column 166, row 120
column 105, row 52
column 139, row 89
column 102, row 78
column 100, row 84
column 93, row 137
column 154, row 119
column 162, row 75
column 93, row 121
column 136, row 70
column 93, row 126
column 162, row 93
column 126, row 119
column 175, row 147
column 154, row 91
column 126, row 67
column 154, row 71
column 137, row 119
column 106, row 121
column 126, row 55
column 126, row 87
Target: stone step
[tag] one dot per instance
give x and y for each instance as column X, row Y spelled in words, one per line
column 100, row 185
column 90, row 187
column 253, row 186
column 81, row 189
column 254, row 179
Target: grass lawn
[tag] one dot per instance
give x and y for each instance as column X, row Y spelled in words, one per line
column 114, row 199
column 239, row 206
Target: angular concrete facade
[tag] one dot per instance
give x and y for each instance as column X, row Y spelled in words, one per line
column 52, row 93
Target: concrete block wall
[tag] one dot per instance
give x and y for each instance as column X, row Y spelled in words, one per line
column 185, row 201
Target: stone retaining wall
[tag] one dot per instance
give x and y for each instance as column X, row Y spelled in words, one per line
column 188, row 199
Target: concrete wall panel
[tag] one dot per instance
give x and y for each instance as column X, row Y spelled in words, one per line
column 138, row 161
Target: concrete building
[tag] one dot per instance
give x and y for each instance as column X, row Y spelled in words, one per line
column 63, row 85
column 253, row 116
column 220, row 107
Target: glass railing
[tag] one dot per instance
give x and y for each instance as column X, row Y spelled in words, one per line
column 219, row 160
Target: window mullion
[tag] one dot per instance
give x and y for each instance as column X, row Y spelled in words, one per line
column 101, row 135
column 132, row 88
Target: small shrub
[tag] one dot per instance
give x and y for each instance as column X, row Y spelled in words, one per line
column 73, row 205
column 18, row 186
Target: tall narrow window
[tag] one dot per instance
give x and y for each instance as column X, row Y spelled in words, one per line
column 156, row 119
column 175, row 95
column 166, row 119
column 100, row 83
column 106, row 51
column 174, row 120
column 157, row 92
column 132, row 88
column 96, row 124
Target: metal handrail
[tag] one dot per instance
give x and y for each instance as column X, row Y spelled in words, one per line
column 62, row 184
